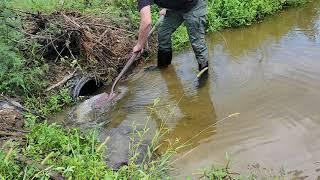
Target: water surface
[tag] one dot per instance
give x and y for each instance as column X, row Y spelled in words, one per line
column 268, row 74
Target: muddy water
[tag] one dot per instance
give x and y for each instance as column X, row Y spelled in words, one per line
column 268, row 74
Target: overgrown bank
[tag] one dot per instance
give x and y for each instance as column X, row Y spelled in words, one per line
column 41, row 145
column 221, row 14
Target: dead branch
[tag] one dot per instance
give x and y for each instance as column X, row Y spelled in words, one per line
column 62, row 82
column 112, row 27
column 6, row 133
column 72, row 21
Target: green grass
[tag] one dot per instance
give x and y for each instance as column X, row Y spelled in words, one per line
column 50, row 6
column 74, row 154
column 69, row 153
column 77, row 155
column 52, row 103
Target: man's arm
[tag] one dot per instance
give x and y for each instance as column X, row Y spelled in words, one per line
column 145, row 25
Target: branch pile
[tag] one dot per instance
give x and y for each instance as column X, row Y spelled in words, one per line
column 95, row 46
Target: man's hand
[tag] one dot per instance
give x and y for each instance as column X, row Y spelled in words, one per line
column 138, row 48
column 163, row 12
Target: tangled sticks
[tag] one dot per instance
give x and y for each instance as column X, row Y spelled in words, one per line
column 99, row 48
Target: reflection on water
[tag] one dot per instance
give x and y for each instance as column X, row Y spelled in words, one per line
column 268, row 72
column 195, row 109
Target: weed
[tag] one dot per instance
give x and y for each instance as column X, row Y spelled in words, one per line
column 78, row 155
column 49, row 6
column 8, row 168
column 49, row 104
column 179, row 39
column 219, row 173
column 18, row 75
column 69, row 153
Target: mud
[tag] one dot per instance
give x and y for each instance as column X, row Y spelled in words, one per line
column 11, row 120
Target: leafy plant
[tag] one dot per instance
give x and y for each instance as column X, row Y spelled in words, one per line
column 18, row 75
column 49, row 104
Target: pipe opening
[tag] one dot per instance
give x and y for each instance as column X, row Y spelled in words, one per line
column 86, row 86
column 89, row 88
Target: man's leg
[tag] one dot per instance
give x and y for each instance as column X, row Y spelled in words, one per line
column 171, row 22
column 195, row 21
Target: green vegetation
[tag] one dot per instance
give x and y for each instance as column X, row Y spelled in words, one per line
column 50, row 151
column 51, row 103
column 50, row 6
column 221, row 14
column 234, row 13
column 21, row 70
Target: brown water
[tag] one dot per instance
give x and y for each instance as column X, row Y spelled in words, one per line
column 269, row 73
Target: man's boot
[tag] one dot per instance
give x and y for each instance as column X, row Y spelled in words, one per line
column 203, row 66
column 164, row 58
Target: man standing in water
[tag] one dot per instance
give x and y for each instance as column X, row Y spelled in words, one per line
column 192, row 12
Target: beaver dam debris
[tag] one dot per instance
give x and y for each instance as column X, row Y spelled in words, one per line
column 98, row 48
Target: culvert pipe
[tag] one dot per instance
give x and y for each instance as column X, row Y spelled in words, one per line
column 83, row 85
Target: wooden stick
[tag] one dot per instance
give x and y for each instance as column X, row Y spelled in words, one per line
column 132, row 59
column 98, row 42
column 62, row 82
column 102, row 35
column 72, row 21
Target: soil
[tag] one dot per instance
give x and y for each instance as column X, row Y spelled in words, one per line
column 11, row 121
